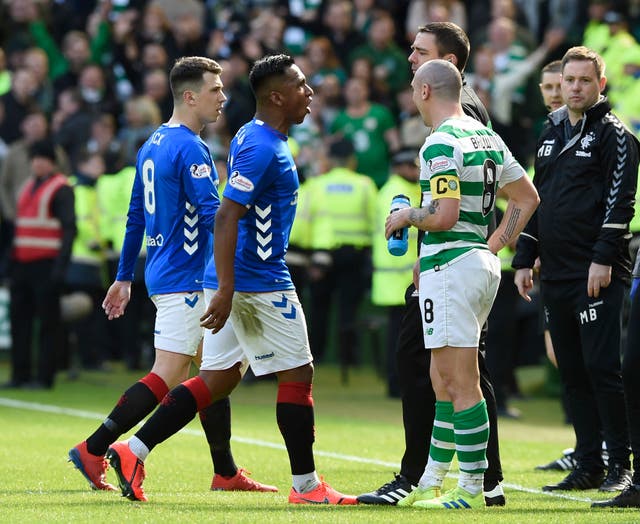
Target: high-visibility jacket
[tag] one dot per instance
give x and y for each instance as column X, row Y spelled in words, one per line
column 114, row 193
column 300, row 235
column 342, row 209
column 88, row 241
column 392, row 274
column 38, row 233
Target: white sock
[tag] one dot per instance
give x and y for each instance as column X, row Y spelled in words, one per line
column 471, row 482
column 434, row 474
column 138, row 448
column 306, row 483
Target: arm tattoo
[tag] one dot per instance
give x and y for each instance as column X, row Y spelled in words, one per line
column 417, row 215
column 512, row 223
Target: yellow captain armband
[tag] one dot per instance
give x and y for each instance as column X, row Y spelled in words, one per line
column 445, row 186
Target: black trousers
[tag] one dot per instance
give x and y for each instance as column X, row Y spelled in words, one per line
column 586, row 339
column 419, row 399
column 35, row 301
column 346, row 281
column 630, row 374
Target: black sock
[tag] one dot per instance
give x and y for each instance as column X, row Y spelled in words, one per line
column 296, row 423
column 135, row 404
column 175, row 411
column 216, row 423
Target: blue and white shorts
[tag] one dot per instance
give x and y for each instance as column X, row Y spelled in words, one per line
column 177, row 326
column 267, row 331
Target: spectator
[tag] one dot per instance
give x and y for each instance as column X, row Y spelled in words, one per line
column 96, row 91
column 240, row 105
column 142, row 116
column 45, row 229
column 421, row 12
column 16, row 168
column 323, row 61
column 620, row 46
column 70, row 121
column 155, row 85
column 36, row 61
column 87, row 267
column 412, row 129
column 338, row 23
column 371, row 129
column 102, row 140
column 17, row 104
column 342, row 218
column 389, row 64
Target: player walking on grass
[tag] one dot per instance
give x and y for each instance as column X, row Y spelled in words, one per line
column 266, row 327
column 175, row 199
column 463, row 164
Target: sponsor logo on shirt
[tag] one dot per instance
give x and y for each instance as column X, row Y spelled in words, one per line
column 200, row 170
column 439, row 165
column 240, row 182
column 156, row 241
column 265, row 356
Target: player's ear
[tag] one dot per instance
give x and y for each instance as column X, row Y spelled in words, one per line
column 450, row 57
column 188, row 96
column 276, row 98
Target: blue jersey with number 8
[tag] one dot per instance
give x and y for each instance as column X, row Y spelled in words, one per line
column 174, row 199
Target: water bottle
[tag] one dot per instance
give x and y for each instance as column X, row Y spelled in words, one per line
column 398, row 242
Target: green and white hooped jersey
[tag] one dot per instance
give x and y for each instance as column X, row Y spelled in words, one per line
column 463, row 159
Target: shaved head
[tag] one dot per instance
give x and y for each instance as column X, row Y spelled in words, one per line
column 442, row 77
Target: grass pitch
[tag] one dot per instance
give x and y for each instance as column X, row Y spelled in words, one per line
column 359, row 442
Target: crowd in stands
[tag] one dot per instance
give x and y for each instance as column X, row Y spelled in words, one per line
column 92, row 76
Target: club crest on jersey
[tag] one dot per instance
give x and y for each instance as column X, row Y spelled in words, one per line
column 200, row 170
column 241, row 183
column 585, row 143
column 441, row 164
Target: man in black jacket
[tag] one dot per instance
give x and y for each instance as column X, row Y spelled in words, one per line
column 446, row 41
column 585, row 171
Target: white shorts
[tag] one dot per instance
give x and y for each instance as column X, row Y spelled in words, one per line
column 178, row 322
column 456, row 299
column 267, row 331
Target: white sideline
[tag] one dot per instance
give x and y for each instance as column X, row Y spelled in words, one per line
column 78, row 413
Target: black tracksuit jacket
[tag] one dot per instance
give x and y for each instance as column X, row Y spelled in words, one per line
column 587, row 187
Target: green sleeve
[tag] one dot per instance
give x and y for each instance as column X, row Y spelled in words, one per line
column 101, row 42
column 57, row 62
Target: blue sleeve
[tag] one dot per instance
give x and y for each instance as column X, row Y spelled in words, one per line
column 201, row 183
column 134, row 233
column 247, row 171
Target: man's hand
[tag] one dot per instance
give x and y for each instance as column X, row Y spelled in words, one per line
column 523, row 280
column 117, row 298
column 599, row 277
column 216, row 315
column 396, row 220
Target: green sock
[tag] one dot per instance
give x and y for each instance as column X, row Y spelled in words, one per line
column 471, row 428
column 442, row 448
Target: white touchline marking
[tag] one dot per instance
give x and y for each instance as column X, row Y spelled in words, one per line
column 92, row 415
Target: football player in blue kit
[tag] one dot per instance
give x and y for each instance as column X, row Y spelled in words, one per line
column 175, row 200
column 266, row 327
